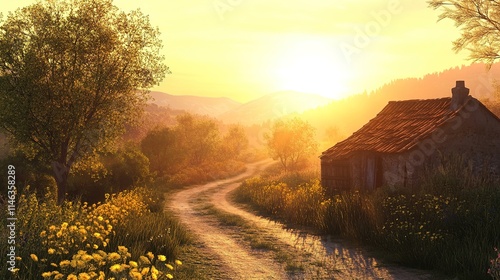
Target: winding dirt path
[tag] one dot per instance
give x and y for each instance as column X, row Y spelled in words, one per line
column 325, row 258
column 239, row 261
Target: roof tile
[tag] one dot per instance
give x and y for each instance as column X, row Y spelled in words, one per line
column 398, row 127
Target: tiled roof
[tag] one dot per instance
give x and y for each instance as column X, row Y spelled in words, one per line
column 397, row 128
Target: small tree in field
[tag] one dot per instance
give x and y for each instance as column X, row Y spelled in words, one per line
column 479, row 21
column 72, row 74
column 291, row 141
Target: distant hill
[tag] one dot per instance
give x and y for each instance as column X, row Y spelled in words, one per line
column 273, row 106
column 194, row 104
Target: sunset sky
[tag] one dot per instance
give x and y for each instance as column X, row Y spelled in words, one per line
column 244, row 49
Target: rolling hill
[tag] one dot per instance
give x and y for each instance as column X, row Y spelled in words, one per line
column 210, row 106
column 273, row 106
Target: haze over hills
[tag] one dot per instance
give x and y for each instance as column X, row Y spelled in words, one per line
column 210, row 106
column 273, row 106
column 346, row 115
column 267, row 107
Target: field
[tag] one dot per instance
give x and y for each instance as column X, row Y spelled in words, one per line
column 452, row 224
column 100, row 241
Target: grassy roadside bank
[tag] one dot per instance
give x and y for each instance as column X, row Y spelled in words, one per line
column 452, row 224
column 127, row 235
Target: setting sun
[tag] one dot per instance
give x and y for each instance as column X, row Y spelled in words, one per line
column 312, row 67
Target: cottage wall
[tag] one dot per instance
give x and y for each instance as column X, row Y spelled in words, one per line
column 474, row 135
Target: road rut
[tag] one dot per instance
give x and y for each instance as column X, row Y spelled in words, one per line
column 322, row 257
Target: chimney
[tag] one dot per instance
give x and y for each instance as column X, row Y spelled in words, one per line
column 459, row 95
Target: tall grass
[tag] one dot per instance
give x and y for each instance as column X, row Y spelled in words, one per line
column 452, row 223
column 75, row 240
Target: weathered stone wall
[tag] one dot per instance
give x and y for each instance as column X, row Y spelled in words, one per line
column 474, row 135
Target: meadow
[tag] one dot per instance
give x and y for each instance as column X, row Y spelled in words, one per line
column 128, row 236
column 452, row 224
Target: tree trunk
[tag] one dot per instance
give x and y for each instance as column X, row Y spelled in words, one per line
column 61, row 172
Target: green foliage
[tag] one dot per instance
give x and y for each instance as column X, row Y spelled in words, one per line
column 70, row 71
column 194, row 151
column 109, row 173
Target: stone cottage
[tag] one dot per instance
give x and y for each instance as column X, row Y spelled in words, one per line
column 396, row 146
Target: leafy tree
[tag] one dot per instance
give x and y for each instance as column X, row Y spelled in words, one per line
column 291, row 141
column 72, row 74
column 199, row 138
column 234, row 142
column 479, row 21
column 162, row 148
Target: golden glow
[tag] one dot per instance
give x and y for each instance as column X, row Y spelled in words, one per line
column 245, row 49
column 312, row 67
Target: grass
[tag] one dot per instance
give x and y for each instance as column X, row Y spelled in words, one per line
column 249, row 234
column 452, row 224
column 120, row 237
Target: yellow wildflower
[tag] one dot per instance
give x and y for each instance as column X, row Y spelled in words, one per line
column 102, row 253
column 133, row 264
column 46, row 274
column 87, row 258
column 169, row 266
column 135, row 275
column 162, row 258
column 51, row 251
column 34, row 257
column 43, row 233
column 97, row 257
column 114, row 256
column 178, row 262
column 145, row 271
column 84, row 276
column 169, row 276
column 72, row 277
column 144, row 260
column 58, row 276
column 116, row 268
column 150, row 255
column 64, row 263
column 95, row 246
column 154, row 271
column 122, row 249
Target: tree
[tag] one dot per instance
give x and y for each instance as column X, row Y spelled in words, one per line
column 291, row 141
column 479, row 21
column 162, row 147
column 199, row 138
column 72, row 74
column 234, row 142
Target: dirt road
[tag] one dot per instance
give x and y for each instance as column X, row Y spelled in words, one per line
column 318, row 257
